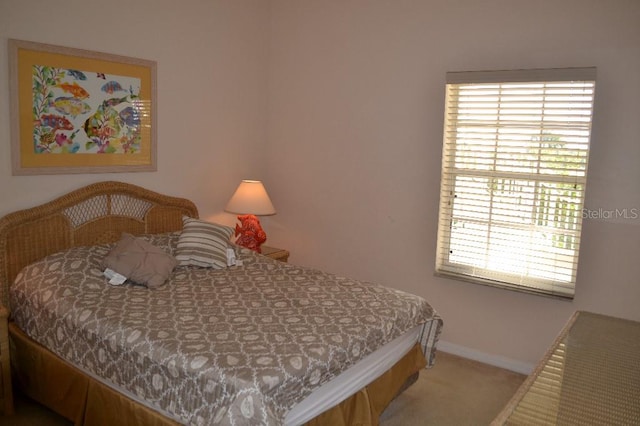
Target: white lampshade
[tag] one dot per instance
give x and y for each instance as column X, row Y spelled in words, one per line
column 251, row 198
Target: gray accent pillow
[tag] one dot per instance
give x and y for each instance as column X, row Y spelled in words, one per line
column 140, row 261
column 203, row 243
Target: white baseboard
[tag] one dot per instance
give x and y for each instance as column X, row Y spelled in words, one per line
column 495, row 360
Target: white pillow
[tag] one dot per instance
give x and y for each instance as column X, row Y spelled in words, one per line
column 203, row 243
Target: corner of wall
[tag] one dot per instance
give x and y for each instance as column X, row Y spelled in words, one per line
column 491, row 359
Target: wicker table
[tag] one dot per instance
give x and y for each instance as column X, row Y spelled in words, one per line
column 590, row 376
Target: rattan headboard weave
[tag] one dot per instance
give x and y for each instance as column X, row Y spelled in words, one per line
column 95, row 214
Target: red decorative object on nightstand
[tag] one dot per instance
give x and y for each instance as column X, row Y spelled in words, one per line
column 250, row 234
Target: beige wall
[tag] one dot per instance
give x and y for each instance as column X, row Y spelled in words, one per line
column 337, row 105
column 211, row 58
column 355, row 131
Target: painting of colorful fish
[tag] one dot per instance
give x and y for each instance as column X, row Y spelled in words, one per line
column 75, row 111
column 80, row 111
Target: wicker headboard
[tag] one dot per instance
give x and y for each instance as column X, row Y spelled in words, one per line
column 95, row 214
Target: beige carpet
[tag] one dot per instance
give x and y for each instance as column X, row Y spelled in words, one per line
column 456, row 391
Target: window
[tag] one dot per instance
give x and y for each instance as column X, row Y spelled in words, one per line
column 514, row 169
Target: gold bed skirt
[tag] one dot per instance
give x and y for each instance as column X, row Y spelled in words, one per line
column 48, row 379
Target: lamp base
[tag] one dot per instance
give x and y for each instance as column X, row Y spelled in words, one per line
column 250, row 233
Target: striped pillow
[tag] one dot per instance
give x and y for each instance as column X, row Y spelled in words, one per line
column 203, row 244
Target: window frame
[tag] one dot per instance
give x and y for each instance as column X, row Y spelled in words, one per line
column 467, row 272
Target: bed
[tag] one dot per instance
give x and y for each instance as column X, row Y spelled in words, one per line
column 262, row 343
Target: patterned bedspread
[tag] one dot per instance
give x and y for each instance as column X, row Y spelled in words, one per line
column 235, row 346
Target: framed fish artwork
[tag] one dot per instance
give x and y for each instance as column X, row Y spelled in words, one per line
column 79, row 111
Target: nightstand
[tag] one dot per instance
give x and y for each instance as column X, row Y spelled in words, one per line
column 275, row 253
column 6, row 392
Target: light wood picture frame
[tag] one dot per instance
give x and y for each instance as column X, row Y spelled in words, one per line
column 79, row 111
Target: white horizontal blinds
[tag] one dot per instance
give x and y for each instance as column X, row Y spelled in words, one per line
column 515, row 154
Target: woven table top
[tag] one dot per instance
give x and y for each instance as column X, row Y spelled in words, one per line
column 590, row 376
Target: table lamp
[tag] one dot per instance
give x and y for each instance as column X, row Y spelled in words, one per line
column 249, row 201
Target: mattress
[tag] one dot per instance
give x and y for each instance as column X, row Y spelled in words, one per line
column 253, row 341
column 353, row 379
